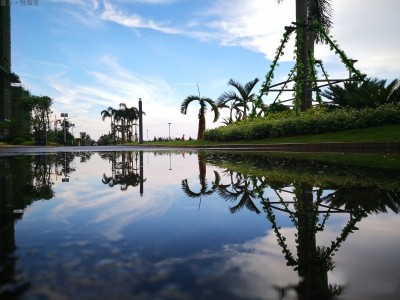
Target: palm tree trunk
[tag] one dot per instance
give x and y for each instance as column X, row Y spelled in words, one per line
column 311, row 43
column 202, row 127
column 302, row 52
column 202, row 169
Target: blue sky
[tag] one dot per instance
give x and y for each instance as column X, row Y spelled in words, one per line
column 89, row 55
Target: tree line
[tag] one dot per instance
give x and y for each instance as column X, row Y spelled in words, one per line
column 34, row 122
column 241, row 102
column 123, row 124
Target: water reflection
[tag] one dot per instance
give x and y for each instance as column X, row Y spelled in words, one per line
column 309, row 210
column 164, row 245
column 124, row 169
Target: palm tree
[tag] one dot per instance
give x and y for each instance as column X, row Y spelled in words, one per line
column 202, row 111
column 109, row 113
column 372, row 92
column 319, row 10
column 233, row 106
column 241, row 99
column 132, row 114
column 122, row 117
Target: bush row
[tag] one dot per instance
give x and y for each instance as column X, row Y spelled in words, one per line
column 313, row 121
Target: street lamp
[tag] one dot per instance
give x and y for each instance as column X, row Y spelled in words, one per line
column 169, row 130
column 147, row 135
column 64, row 115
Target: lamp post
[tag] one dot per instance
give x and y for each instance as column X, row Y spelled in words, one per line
column 72, row 129
column 140, row 122
column 64, row 115
column 147, row 135
column 169, row 130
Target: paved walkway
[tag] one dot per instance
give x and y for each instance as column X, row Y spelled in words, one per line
column 345, row 147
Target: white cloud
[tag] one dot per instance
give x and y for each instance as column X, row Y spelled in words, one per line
column 111, row 13
column 362, row 32
column 111, row 84
column 258, row 25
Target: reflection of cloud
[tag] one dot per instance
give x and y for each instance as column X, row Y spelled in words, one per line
column 366, row 263
column 111, row 209
column 128, row 210
column 370, row 261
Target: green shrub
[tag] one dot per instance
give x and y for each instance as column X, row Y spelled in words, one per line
column 31, row 143
column 18, row 141
column 313, row 121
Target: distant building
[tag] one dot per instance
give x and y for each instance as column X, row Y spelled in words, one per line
column 6, row 76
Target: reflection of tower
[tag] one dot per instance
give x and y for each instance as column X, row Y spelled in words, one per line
column 313, row 262
column 7, row 246
column 315, row 278
column 141, row 172
column 65, row 171
column 9, row 213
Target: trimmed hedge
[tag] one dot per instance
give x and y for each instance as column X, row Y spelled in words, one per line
column 312, row 121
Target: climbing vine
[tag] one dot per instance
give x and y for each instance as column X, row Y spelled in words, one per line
column 280, row 238
column 278, row 53
column 298, row 70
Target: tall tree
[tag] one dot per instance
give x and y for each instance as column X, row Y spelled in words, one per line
column 242, row 98
column 121, row 115
column 109, row 113
column 40, row 113
column 302, row 51
column 20, row 125
column 202, row 111
column 132, row 115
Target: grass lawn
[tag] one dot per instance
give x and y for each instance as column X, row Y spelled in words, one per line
column 380, row 133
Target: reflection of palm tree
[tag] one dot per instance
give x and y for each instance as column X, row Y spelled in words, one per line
column 204, row 190
column 367, row 199
column 244, row 190
column 84, row 156
column 126, row 180
column 124, row 172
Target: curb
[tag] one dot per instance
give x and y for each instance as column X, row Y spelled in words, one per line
column 346, row 147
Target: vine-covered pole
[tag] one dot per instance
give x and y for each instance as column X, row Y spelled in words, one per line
column 301, row 53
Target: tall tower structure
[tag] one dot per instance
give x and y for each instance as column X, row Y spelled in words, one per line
column 6, row 76
column 5, row 63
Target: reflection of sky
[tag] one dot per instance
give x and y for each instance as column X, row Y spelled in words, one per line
column 164, row 237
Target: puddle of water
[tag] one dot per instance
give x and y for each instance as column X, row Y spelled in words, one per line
column 187, row 225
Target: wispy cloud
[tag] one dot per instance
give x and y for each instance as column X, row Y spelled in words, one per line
column 111, row 13
column 258, row 25
column 112, row 84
